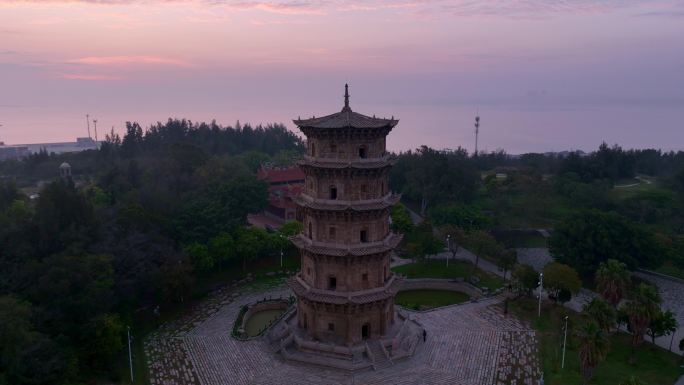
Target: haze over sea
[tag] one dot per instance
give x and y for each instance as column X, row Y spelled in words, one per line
column 544, row 75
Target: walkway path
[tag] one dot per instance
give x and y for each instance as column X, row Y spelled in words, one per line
column 469, row 344
column 465, row 255
column 672, row 293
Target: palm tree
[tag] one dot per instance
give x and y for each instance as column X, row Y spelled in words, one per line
column 632, row 381
column 593, row 348
column 612, row 281
column 601, row 312
column 640, row 310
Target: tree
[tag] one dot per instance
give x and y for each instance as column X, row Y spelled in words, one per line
column 422, row 242
column 401, row 219
column 525, row 278
column 71, row 290
column 222, row 248
column 63, row 219
column 202, row 260
column 507, row 260
column 640, row 310
column 467, row 217
column 482, row 244
column 663, row 324
column 220, row 208
column 612, row 281
column 600, row 312
column 26, row 355
column 104, row 340
column 8, row 194
column 291, row 228
column 432, row 177
column 249, row 243
column 558, row 276
column 177, row 280
column 593, row 348
column 16, row 333
column 587, row 238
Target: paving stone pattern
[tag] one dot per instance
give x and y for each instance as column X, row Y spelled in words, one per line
column 473, row 344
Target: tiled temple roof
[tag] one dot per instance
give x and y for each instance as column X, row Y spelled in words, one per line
column 343, row 250
column 340, row 205
column 302, row 289
column 346, row 119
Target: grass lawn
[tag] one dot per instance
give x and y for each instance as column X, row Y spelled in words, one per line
column 641, row 188
column 457, row 269
column 423, row 299
column 655, row 366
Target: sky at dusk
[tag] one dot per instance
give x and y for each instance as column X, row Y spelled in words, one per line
column 544, row 75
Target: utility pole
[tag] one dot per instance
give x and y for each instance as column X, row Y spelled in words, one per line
column 477, row 129
column 88, row 123
column 95, row 123
column 565, row 338
column 130, row 355
column 281, row 251
column 541, row 283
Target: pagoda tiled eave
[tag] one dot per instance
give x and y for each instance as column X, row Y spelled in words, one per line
column 336, row 163
column 347, row 249
column 304, row 290
column 383, row 203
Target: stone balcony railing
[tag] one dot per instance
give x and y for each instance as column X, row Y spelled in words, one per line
column 341, row 249
column 389, row 289
column 339, row 204
column 330, row 161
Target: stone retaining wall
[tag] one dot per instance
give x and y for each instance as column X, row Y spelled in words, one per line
column 441, row 284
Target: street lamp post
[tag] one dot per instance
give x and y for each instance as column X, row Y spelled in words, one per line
column 130, row 356
column 541, row 283
column 565, row 338
column 448, row 248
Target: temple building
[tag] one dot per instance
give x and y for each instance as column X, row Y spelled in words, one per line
column 345, row 315
column 345, row 289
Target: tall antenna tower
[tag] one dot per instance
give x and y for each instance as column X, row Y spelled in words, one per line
column 88, row 123
column 477, row 129
column 95, row 123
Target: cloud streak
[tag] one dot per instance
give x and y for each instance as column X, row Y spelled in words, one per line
column 129, row 60
column 499, row 8
column 89, row 77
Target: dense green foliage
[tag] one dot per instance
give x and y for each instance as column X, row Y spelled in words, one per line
column 587, row 238
column 559, row 277
column 141, row 221
column 153, row 214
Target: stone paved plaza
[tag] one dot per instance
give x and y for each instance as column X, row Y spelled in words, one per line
column 471, row 344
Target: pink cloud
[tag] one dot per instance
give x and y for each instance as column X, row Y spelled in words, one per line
column 123, row 60
column 288, row 8
column 89, row 77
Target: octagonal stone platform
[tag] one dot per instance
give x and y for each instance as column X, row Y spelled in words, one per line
column 471, row 343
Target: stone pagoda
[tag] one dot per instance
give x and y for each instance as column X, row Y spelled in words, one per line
column 345, row 289
column 345, row 315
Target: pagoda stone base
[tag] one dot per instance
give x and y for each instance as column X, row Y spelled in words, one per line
column 400, row 342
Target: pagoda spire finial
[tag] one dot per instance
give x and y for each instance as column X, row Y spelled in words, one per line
column 346, row 97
